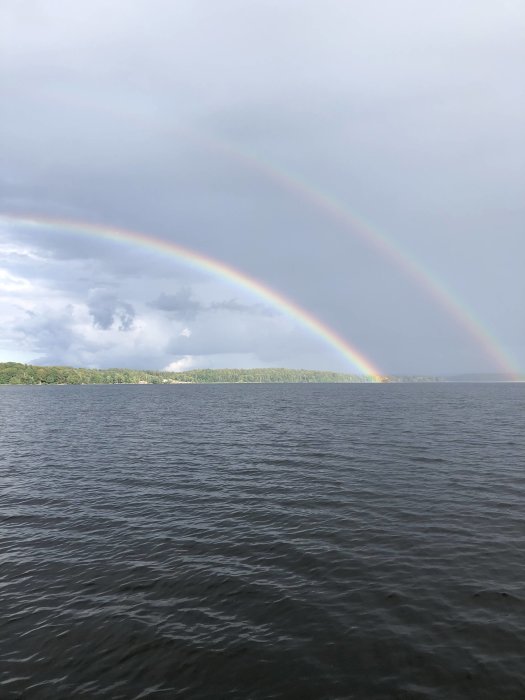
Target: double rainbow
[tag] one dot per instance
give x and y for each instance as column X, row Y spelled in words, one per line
column 349, row 221
column 356, row 226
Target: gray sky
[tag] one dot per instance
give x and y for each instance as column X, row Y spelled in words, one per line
column 172, row 118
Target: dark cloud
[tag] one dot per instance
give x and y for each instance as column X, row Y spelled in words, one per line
column 182, row 305
column 50, row 334
column 237, row 307
column 53, row 337
column 106, row 310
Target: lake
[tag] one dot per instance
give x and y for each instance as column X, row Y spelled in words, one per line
column 263, row 541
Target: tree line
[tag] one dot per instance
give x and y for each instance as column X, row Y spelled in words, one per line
column 18, row 373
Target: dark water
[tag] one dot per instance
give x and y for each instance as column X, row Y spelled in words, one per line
column 236, row 541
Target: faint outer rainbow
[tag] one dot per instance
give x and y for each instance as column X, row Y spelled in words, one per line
column 389, row 249
column 208, row 264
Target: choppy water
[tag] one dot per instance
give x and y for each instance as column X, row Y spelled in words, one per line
column 292, row 541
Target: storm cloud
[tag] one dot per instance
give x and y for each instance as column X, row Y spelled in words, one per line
column 106, row 309
column 184, row 306
column 265, row 138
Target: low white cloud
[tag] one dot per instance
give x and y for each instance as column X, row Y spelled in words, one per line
column 185, row 332
column 10, row 250
column 180, row 365
column 13, row 283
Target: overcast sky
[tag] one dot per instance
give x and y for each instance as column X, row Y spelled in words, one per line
column 210, row 123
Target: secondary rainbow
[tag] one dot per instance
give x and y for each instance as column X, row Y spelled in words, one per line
column 213, row 266
column 392, row 251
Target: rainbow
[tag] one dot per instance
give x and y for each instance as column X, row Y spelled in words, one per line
column 393, row 252
column 353, row 224
column 213, row 266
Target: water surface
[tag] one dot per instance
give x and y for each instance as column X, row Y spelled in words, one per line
column 262, row 541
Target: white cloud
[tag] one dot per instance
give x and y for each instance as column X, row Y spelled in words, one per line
column 180, row 365
column 12, row 283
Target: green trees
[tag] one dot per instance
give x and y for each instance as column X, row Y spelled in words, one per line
column 17, row 373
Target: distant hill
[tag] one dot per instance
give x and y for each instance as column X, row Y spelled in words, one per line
column 17, row 373
column 485, row 378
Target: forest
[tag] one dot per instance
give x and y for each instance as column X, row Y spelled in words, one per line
column 18, row 373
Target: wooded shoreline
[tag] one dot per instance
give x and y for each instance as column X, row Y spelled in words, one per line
column 18, row 373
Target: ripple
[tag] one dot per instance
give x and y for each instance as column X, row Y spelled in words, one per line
column 262, row 542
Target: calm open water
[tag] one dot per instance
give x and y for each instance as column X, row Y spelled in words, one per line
column 263, row 541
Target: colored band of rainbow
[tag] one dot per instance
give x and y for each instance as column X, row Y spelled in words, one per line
column 213, row 266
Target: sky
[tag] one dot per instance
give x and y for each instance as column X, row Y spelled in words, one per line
column 364, row 161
